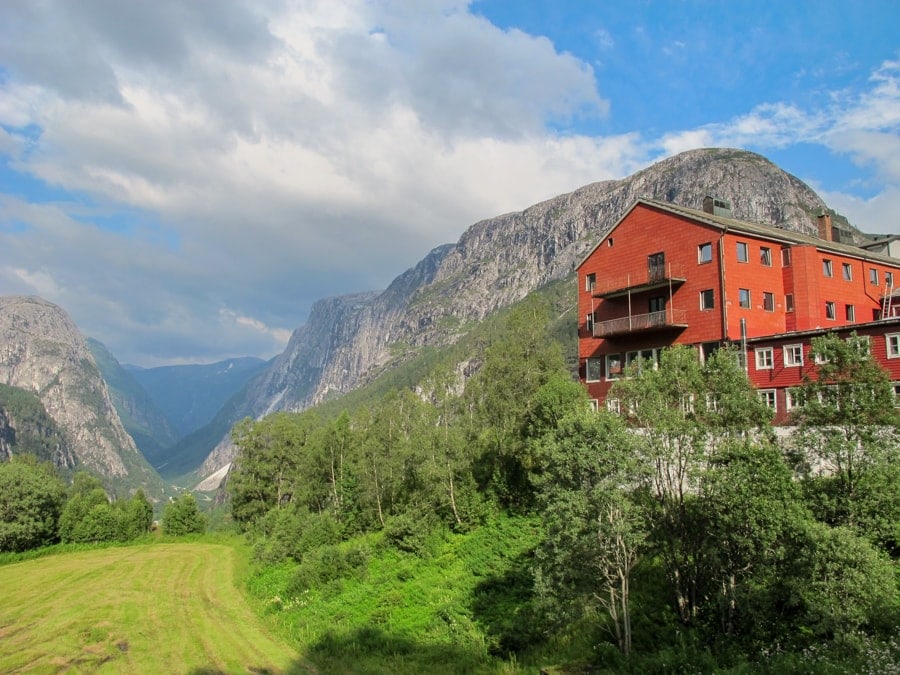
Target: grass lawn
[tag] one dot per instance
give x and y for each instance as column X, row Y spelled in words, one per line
column 151, row 608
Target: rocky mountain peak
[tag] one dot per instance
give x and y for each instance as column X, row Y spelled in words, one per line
column 497, row 262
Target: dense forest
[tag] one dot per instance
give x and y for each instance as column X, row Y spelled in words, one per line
column 680, row 533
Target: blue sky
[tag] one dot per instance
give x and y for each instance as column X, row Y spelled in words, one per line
column 187, row 178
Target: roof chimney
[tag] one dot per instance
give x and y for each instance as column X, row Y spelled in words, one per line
column 824, row 222
column 717, row 206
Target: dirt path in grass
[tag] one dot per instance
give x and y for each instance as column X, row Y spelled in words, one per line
column 160, row 608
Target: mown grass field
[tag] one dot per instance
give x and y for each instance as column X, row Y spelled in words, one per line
column 151, row 608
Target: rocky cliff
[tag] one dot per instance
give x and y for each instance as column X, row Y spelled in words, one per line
column 42, row 351
column 497, row 262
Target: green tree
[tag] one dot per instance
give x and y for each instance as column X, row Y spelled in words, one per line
column 848, row 436
column 138, row 515
column 686, row 411
column 31, row 498
column 182, row 516
column 85, row 494
column 595, row 532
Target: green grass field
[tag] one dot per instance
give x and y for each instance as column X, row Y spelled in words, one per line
column 153, row 608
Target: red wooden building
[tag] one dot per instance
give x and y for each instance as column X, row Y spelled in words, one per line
column 665, row 274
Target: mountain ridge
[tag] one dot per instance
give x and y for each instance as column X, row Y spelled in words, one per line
column 496, row 262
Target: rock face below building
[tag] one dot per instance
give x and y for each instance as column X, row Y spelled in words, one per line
column 496, row 262
column 42, row 351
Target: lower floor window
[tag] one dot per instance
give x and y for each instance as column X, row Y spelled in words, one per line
column 767, row 396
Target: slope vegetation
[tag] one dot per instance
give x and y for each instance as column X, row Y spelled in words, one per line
column 161, row 608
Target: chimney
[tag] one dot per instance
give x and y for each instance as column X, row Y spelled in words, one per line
column 824, row 221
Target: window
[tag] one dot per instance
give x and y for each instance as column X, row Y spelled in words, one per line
column 847, row 271
column 829, row 310
column 889, row 279
column 789, row 302
column 589, row 323
column 707, row 299
column 609, row 242
column 704, row 253
column 593, row 370
column 767, row 396
column 765, row 256
column 819, row 359
column 785, row 257
column 614, row 366
column 793, row 355
column 793, row 398
column 590, row 282
column 613, row 406
column 712, row 403
column 649, row 355
column 768, row 301
column 687, row 404
column 861, row 344
column 873, row 276
column 744, row 297
column 707, row 349
column 764, row 358
column 896, row 386
column 850, row 312
column 595, row 404
column 657, row 304
column 743, row 255
column 893, row 345
column 826, row 267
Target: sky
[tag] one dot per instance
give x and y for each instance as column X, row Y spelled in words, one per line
column 186, row 178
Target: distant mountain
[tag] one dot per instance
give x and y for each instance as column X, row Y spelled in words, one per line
column 141, row 417
column 42, row 352
column 190, row 396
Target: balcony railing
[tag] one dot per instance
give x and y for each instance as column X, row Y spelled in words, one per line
column 655, row 276
column 639, row 323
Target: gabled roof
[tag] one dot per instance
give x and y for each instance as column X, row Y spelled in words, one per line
column 770, row 232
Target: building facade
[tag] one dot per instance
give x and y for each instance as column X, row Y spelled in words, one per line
column 666, row 274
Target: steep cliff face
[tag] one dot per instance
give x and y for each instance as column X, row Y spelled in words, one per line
column 499, row 261
column 42, row 351
column 25, row 427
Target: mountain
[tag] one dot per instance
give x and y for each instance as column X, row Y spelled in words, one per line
column 348, row 340
column 191, row 395
column 25, row 427
column 143, row 420
column 42, row 352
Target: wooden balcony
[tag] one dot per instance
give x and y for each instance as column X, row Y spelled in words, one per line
column 667, row 319
column 655, row 276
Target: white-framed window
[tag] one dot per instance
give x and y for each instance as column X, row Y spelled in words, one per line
column 744, row 297
column 873, row 276
column 847, row 271
column 651, row 355
column 765, row 256
column 712, row 402
column 768, row 301
column 687, row 404
column 590, row 282
column 593, row 369
column 820, row 359
column 589, row 323
column 892, row 340
column 743, row 252
column 614, row 406
column 707, row 299
column 767, row 396
column 786, row 257
column 704, row 253
column 850, row 312
column 829, row 310
column 793, row 355
column 793, row 398
column 765, row 359
column 896, row 386
column 889, row 279
column 789, row 302
column 614, row 366
column 595, row 404
column 826, row 268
